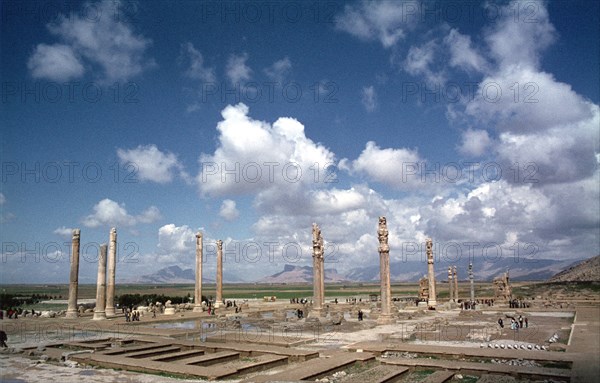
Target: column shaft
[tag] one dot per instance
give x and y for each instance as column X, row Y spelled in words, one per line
column 74, row 275
column 432, row 302
column 100, row 310
column 198, row 287
column 455, row 284
column 471, row 282
column 219, row 280
column 450, row 285
column 112, row 264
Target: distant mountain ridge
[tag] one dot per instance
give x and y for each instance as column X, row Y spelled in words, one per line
column 410, row 271
column 585, row 271
column 175, row 274
column 301, row 274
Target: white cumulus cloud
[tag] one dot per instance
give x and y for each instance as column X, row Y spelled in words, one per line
column 369, row 98
column 176, row 239
column 229, row 210
column 110, row 213
column 151, row 164
column 385, row 21
column 256, row 157
column 387, row 166
column 106, row 44
column 194, row 60
column 279, row 70
column 64, row 231
column 474, row 142
column 236, row 68
column 56, row 62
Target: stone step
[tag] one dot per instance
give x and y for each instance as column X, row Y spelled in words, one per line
column 208, row 359
column 153, row 352
column 256, row 363
column 177, row 355
column 124, row 350
column 314, row 368
column 440, row 376
column 378, row 374
column 536, row 372
column 451, row 352
column 155, row 367
column 91, row 346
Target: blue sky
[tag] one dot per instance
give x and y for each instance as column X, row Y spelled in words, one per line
column 473, row 123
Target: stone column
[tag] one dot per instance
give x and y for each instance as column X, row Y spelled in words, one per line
column 112, row 264
column 99, row 311
column 74, row 276
column 455, row 284
column 219, row 299
column 317, row 306
column 471, row 282
column 198, row 289
column 431, row 275
column 450, row 283
column 322, row 268
column 384, row 273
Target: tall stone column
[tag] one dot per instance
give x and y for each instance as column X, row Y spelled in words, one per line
column 455, row 284
column 384, row 273
column 431, row 275
column 112, row 264
column 322, row 268
column 74, row 276
column 99, row 311
column 450, row 285
column 471, row 282
column 219, row 299
column 317, row 256
column 198, row 289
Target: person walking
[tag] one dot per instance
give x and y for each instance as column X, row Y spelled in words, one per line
column 3, row 339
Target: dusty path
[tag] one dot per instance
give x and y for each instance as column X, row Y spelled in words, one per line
column 585, row 341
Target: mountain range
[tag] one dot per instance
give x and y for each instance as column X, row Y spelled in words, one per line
column 410, row 271
column 586, row 271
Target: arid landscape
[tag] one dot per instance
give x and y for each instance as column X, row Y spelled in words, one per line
column 267, row 341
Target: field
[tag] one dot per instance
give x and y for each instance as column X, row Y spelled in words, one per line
column 60, row 292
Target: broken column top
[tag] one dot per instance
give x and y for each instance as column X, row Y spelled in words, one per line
column 199, row 235
column 76, row 233
column 429, row 247
column 317, row 241
column 382, row 234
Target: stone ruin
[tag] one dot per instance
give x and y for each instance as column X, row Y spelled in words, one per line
column 502, row 288
column 424, row 288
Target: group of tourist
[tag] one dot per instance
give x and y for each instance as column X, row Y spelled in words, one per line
column 132, row 316
column 302, row 301
column 15, row 313
column 360, row 315
column 518, row 304
column 300, row 313
column 515, row 324
column 489, row 302
column 211, row 309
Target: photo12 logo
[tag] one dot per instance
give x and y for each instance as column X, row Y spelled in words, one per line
column 269, row 251
column 70, row 92
column 54, row 172
column 57, row 252
column 269, row 91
